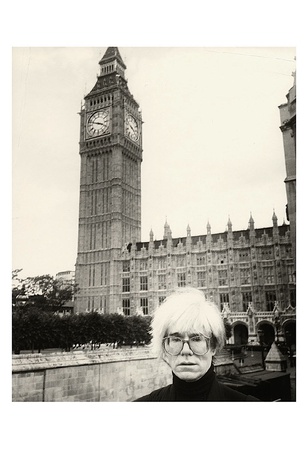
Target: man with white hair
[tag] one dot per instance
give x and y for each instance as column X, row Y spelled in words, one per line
column 187, row 332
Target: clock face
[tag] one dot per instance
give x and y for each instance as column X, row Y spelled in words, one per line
column 98, row 123
column 131, row 127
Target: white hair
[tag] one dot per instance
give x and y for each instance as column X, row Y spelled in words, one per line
column 188, row 310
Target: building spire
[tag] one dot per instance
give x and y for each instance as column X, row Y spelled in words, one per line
column 229, row 225
column 274, row 219
column 111, row 54
column 251, row 222
column 112, row 62
column 208, row 228
column 167, row 230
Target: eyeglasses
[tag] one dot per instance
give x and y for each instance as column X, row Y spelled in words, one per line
column 198, row 344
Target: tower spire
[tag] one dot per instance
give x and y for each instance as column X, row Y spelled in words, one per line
column 229, row 225
column 251, row 223
column 111, row 54
column 112, row 62
column 274, row 219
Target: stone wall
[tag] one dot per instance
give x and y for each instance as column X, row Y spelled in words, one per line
column 106, row 375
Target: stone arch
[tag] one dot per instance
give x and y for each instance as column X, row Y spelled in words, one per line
column 266, row 332
column 240, row 333
column 289, row 331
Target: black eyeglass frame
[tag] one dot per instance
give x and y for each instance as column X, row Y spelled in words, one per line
column 207, row 338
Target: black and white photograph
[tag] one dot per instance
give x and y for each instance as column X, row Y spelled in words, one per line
column 216, row 138
column 154, row 229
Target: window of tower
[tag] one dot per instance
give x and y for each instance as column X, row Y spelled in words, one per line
column 201, row 279
column 143, row 283
column 143, row 264
column 91, row 275
column 246, row 299
column 180, row 261
column 126, row 284
column 161, row 263
column 268, row 274
column 200, row 260
column 224, row 298
column 270, row 298
column 245, row 276
column 162, row 282
column 222, row 277
column 181, row 279
column 126, row 306
column 104, row 273
column 144, row 305
column 291, row 274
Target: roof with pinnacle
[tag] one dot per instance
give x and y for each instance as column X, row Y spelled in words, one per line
column 110, row 54
column 216, row 237
column 274, row 354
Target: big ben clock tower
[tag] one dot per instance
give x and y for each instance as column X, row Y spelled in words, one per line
column 110, row 185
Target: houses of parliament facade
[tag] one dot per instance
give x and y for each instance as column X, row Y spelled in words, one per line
column 249, row 273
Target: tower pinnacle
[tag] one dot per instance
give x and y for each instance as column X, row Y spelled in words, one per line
column 111, row 54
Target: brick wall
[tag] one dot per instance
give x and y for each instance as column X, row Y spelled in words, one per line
column 87, row 376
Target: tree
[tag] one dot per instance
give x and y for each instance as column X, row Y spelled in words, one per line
column 15, row 273
column 66, row 331
column 138, row 329
column 43, row 291
column 18, row 289
column 30, row 329
column 19, row 331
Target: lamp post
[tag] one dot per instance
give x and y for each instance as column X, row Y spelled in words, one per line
column 261, row 334
column 277, row 324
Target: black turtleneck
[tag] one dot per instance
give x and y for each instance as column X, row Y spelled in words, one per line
column 193, row 391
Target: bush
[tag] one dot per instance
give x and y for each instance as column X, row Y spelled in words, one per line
column 34, row 329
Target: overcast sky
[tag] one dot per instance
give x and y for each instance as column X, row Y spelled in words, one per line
column 211, row 139
column 226, row 160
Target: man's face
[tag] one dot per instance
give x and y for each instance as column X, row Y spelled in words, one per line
column 188, row 366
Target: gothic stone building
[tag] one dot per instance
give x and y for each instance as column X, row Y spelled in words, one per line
column 248, row 273
column 288, row 129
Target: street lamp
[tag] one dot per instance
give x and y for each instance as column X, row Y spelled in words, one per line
column 277, row 324
column 261, row 334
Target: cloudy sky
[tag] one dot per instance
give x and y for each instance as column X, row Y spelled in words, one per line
column 212, row 144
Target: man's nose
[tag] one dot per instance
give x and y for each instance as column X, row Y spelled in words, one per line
column 186, row 350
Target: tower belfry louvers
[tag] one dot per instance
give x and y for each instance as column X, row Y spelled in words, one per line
column 110, row 183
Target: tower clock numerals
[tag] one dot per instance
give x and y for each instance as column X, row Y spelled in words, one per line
column 98, row 123
column 131, row 127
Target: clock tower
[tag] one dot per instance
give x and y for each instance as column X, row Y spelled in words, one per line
column 110, row 185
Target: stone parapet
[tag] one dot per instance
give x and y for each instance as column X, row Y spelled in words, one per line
column 103, row 375
column 39, row 361
column 107, row 375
